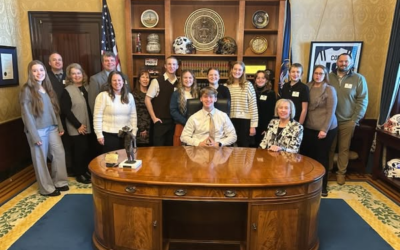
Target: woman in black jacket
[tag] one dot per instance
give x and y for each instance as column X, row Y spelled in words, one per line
column 266, row 100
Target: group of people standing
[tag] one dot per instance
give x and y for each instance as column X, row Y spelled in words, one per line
column 329, row 107
column 56, row 102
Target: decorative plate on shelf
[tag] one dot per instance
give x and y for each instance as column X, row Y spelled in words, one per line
column 149, row 18
column 204, row 27
column 258, row 44
column 260, row 19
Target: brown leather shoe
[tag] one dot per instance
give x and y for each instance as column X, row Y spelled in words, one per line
column 341, row 179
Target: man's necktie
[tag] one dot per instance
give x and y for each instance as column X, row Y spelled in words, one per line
column 59, row 76
column 212, row 127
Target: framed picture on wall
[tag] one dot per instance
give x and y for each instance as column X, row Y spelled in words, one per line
column 326, row 53
column 8, row 66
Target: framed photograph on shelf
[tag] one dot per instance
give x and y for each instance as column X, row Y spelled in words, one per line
column 8, row 66
column 326, row 53
column 150, row 62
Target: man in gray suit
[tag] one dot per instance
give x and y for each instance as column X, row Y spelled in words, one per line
column 98, row 82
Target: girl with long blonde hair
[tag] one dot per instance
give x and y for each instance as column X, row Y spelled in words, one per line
column 187, row 89
column 244, row 112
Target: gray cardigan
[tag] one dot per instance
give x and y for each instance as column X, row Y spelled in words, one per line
column 78, row 109
column 321, row 108
column 33, row 123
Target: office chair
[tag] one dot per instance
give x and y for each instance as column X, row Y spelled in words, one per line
column 194, row 105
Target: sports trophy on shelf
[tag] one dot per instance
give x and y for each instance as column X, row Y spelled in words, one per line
column 130, row 148
column 138, row 44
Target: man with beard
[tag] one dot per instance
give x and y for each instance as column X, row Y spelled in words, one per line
column 352, row 94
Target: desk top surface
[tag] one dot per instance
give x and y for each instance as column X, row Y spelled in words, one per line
column 200, row 166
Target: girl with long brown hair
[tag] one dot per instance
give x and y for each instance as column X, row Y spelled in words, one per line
column 41, row 116
column 266, row 100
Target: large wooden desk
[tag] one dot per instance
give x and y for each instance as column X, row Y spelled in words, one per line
column 198, row 198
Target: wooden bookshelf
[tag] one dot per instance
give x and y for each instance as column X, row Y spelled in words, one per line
column 237, row 18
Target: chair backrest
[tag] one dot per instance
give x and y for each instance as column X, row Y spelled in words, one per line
column 224, row 105
column 194, row 105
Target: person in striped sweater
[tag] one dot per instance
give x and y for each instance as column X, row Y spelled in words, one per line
column 244, row 112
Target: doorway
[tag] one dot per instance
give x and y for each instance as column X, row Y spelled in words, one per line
column 74, row 35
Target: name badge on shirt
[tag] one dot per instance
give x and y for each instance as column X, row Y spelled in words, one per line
column 64, row 82
column 348, row 85
column 295, row 94
column 263, row 97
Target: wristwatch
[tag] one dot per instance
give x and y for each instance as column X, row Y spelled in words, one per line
column 220, row 144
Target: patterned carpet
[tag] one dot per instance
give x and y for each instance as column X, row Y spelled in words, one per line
column 381, row 213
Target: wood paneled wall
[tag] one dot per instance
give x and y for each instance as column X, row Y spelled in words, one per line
column 14, row 149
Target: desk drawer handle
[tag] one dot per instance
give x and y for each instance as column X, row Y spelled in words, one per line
column 155, row 224
column 280, row 192
column 230, row 193
column 180, row 192
column 130, row 189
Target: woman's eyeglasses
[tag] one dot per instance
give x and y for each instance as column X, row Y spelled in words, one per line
column 319, row 74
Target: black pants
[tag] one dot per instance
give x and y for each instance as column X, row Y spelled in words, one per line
column 112, row 142
column 67, row 143
column 163, row 133
column 242, row 127
column 80, row 153
column 318, row 149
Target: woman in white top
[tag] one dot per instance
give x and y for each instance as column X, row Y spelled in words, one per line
column 244, row 113
column 114, row 109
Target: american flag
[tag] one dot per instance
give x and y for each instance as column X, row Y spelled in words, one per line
column 286, row 51
column 108, row 42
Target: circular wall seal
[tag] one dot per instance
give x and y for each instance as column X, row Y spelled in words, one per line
column 204, row 27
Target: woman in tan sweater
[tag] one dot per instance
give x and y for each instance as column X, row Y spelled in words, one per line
column 321, row 123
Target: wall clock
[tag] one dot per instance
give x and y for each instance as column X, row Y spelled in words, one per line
column 258, row 44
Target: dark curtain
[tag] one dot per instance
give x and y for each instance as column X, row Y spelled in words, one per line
column 392, row 66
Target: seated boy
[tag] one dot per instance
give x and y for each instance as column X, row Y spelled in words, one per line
column 209, row 127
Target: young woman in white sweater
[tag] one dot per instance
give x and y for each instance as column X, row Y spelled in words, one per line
column 114, row 109
column 244, row 113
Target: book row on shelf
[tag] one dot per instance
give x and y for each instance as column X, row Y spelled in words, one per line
column 200, row 68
